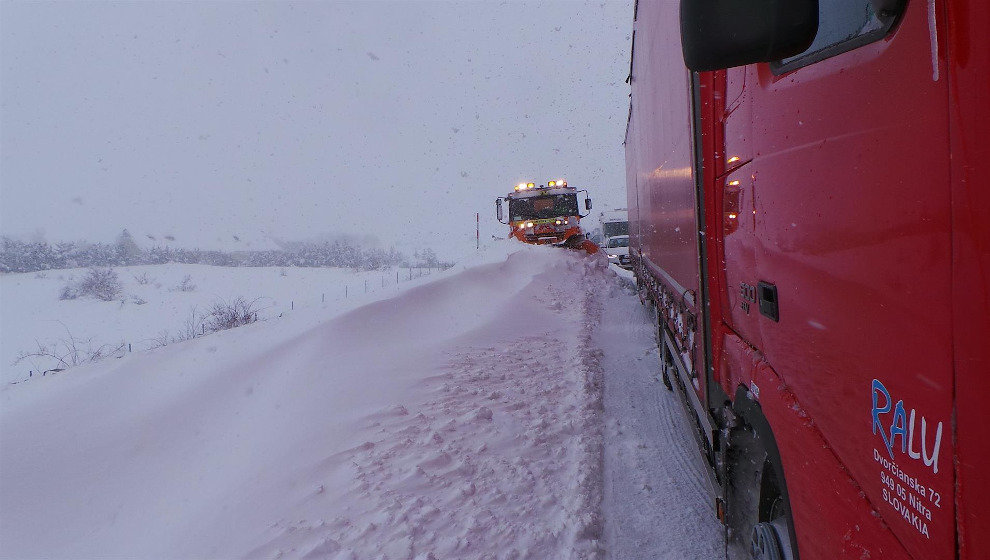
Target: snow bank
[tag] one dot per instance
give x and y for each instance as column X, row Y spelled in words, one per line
column 461, row 418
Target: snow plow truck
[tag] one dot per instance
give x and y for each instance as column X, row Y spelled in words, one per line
column 546, row 215
column 809, row 214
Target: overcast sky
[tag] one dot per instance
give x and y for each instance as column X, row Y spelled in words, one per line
column 206, row 121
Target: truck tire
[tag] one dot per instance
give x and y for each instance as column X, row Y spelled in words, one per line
column 666, row 360
column 758, row 516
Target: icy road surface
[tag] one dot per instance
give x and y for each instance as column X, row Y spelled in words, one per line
column 508, row 410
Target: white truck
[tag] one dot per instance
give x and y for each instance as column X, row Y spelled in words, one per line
column 613, row 222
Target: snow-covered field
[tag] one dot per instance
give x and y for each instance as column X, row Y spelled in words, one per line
column 31, row 312
column 504, row 409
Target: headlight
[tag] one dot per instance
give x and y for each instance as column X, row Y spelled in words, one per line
column 529, row 224
column 613, row 256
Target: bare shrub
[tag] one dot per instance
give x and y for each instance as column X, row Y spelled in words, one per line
column 186, row 285
column 69, row 291
column 136, row 300
column 160, row 340
column 40, row 275
column 143, row 279
column 190, row 327
column 225, row 315
column 101, row 283
column 69, row 351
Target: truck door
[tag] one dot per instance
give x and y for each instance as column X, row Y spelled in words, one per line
column 735, row 197
column 844, row 211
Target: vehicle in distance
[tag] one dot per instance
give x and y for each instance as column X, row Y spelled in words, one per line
column 614, row 222
column 617, row 250
column 546, row 215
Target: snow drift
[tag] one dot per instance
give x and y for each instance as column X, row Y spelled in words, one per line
column 460, row 419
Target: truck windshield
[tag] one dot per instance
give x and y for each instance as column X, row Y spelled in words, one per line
column 621, row 241
column 536, row 207
column 615, row 228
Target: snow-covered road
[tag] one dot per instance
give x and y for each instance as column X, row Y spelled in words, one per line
column 658, row 504
column 506, row 411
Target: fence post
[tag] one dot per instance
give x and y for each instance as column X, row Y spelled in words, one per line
column 292, row 305
column 365, row 285
column 397, row 277
column 323, row 298
column 345, row 291
column 129, row 347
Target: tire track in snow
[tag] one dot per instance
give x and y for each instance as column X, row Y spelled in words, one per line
column 657, row 502
column 671, row 418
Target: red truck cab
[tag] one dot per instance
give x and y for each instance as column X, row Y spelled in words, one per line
column 807, row 216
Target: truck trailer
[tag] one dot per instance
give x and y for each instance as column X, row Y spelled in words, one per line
column 810, row 221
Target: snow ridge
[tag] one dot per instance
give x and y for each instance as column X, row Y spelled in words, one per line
column 502, row 460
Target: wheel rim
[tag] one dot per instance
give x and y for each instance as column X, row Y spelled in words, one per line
column 765, row 543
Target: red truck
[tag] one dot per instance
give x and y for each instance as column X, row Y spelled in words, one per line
column 809, row 219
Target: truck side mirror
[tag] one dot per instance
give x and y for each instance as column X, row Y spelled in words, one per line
column 498, row 210
column 717, row 34
column 587, row 204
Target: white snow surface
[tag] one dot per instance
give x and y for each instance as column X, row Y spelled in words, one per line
column 657, row 500
column 508, row 409
column 31, row 313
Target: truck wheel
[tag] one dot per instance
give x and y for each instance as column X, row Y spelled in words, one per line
column 666, row 360
column 666, row 364
column 758, row 515
column 765, row 543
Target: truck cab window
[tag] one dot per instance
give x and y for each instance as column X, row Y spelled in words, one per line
column 543, row 207
column 843, row 25
column 542, row 204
